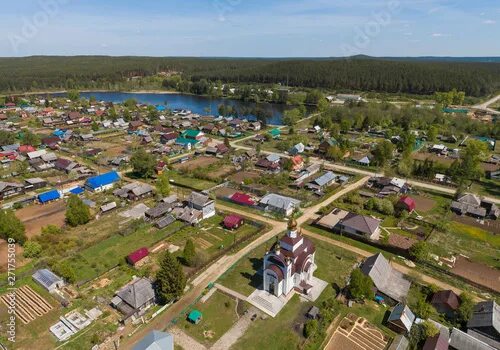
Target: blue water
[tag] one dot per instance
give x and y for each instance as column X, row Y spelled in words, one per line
column 196, row 104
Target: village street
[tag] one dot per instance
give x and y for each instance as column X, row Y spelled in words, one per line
column 214, row 271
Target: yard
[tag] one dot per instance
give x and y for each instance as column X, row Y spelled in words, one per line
column 96, row 259
column 210, row 236
column 219, row 315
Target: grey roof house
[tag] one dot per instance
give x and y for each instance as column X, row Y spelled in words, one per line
column 462, row 341
column 485, row 323
column 388, row 281
column 134, row 299
column 281, row 204
column 203, row 203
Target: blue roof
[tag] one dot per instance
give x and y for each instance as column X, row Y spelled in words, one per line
column 58, row 132
column 103, row 180
column 76, row 190
column 48, row 196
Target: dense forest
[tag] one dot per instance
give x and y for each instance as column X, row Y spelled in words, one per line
column 356, row 74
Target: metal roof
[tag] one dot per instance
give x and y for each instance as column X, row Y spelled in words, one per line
column 46, row 278
column 156, row 340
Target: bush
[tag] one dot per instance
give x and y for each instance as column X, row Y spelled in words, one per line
column 32, row 249
column 310, row 328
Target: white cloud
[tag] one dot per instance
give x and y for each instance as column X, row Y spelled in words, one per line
column 439, row 35
column 489, row 21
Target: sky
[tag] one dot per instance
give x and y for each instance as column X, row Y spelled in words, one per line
column 250, row 28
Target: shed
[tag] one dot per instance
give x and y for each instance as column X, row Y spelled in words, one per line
column 232, row 221
column 242, row 199
column 313, row 313
column 49, row 196
column 77, row 190
column 401, row 319
column 445, row 302
column 136, row 256
column 406, row 203
column 195, row 316
column 47, row 279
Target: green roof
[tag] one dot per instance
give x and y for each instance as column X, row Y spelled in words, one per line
column 191, row 133
column 184, row 141
column 275, row 132
column 194, row 316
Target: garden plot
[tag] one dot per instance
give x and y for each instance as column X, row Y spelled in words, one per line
column 355, row 333
column 195, row 163
column 29, row 304
column 34, row 217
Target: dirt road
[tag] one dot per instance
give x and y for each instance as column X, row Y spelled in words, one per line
column 484, row 106
column 401, row 268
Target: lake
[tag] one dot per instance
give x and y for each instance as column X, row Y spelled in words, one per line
column 197, row 104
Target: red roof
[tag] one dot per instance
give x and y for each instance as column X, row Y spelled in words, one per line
column 26, row 149
column 242, row 198
column 297, row 160
column 408, row 202
column 231, row 221
column 134, row 257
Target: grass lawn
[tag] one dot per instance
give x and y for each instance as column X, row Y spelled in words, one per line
column 91, row 262
column 219, row 315
column 191, row 182
column 275, row 333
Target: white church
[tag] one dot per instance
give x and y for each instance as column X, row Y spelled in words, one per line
column 289, row 266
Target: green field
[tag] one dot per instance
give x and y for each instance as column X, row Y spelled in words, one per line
column 479, row 245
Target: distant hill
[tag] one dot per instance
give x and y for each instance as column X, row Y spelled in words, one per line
column 415, row 75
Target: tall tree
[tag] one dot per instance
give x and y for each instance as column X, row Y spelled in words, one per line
column 189, row 253
column 360, row 285
column 163, row 184
column 11, row 227
column 170, row 279
column 143, row 163
column 77, row 212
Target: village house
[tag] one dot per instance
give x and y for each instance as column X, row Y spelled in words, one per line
column 134, row 299
column 218, row 150
column 326, row 144
column 242, row 199
column 297, row 149
column 460, row 340
column 34, row 183
column 102, row 182
column 134, row 191
column 471, row 205
column 203, row 203
column 10, row 189
column 280, row 204
column 322, row 182
column 270, row 163
column 345, row 222
column 485, row 323
column 446, row 302
column 390, row 283
column 388, row 186
column 297, row 163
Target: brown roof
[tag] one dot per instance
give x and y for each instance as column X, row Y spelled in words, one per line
column 361, row 223
column 277, row 271
column 447, row 297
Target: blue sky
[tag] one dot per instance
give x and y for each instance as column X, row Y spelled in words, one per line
column 251, row 28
